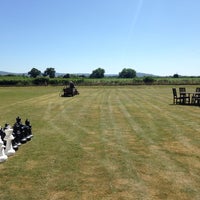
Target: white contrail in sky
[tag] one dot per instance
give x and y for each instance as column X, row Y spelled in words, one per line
column 135, row 18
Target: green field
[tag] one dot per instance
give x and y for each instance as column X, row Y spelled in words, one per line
column 108, row 143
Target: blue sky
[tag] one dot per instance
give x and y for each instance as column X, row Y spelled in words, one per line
column 160, row 37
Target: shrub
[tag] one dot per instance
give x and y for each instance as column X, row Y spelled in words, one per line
column 148, row 80
column 41, row 81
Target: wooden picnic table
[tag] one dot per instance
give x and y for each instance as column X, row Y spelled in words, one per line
column 193, row 97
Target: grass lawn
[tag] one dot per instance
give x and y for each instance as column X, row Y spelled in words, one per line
column 110, row 143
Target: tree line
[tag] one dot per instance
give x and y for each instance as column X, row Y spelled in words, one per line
column 97, row 73
column 126, row 77
column 50, row 72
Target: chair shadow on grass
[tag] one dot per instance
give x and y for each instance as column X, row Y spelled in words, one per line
column 179, row 104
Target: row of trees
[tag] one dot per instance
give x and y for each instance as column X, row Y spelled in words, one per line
column 97, row 73
column 48, row 72
column 125, row 73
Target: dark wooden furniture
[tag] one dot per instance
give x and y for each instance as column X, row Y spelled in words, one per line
column 185, row 96
column 176, row 99
column 196, row 97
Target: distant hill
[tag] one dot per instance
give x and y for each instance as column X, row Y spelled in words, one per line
column 11, row 73
column 139, row 74
column 4, row 73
